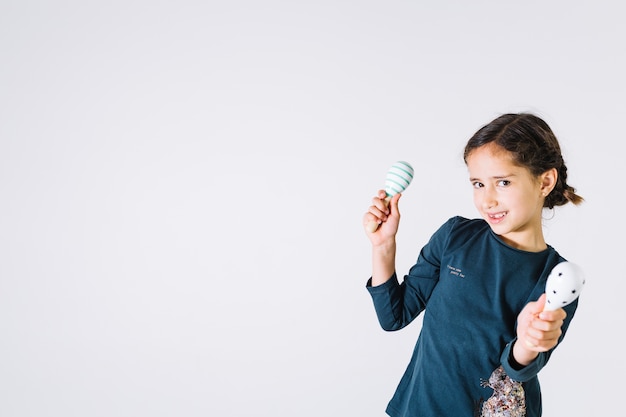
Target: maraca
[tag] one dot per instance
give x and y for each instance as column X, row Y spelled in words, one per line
column 398, row 178
column 563, row 286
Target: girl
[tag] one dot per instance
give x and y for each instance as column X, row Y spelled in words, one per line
column 479, row 282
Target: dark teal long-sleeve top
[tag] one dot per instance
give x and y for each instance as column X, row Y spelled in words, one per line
column 470, row 286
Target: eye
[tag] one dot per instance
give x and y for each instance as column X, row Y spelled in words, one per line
column 477, row 184
column 504, row 183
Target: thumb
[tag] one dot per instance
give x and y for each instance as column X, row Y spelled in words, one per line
column 393, row 204
column 534, row 308
column 540, row 303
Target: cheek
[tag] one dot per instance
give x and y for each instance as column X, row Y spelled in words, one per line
column 477, row 201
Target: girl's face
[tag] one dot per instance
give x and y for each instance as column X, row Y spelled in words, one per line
column 509, row 197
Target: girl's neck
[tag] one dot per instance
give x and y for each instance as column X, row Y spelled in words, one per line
column 534, row 243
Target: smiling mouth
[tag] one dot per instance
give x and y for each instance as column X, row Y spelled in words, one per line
column 497, row 216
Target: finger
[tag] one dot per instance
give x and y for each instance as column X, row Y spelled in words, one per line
column 540, row 340
column 543, row 332
column 530, row 344
column 369, row 217
column 378, row 213
column 541, row 325
column 536, row 347
column 554, row 315
column 539, row 345
column 381, row 205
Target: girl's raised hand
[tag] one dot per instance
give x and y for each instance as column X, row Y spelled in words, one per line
column 382, row 218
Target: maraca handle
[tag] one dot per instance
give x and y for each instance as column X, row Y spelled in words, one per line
column 372, row 226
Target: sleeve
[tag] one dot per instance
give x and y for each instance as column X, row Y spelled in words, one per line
column 398, row 304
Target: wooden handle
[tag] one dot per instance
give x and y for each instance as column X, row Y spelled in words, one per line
column 372, row 226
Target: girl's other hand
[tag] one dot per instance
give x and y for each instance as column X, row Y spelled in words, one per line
column 537, row 330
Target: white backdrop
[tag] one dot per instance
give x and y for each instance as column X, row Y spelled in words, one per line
column 182, row 185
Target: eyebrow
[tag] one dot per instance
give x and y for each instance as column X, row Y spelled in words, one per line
column 496, row 177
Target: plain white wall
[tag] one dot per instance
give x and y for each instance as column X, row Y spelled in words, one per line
column 182, row 185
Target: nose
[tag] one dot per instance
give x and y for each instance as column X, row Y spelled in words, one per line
column 489, row 200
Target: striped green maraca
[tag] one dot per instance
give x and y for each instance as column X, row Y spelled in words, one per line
column 398, row 178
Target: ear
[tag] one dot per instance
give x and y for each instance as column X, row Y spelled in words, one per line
column 548, row 181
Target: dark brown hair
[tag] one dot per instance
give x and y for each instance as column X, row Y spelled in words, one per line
column 533, row 145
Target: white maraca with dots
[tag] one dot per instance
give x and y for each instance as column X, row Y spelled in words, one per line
column 564, row 285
